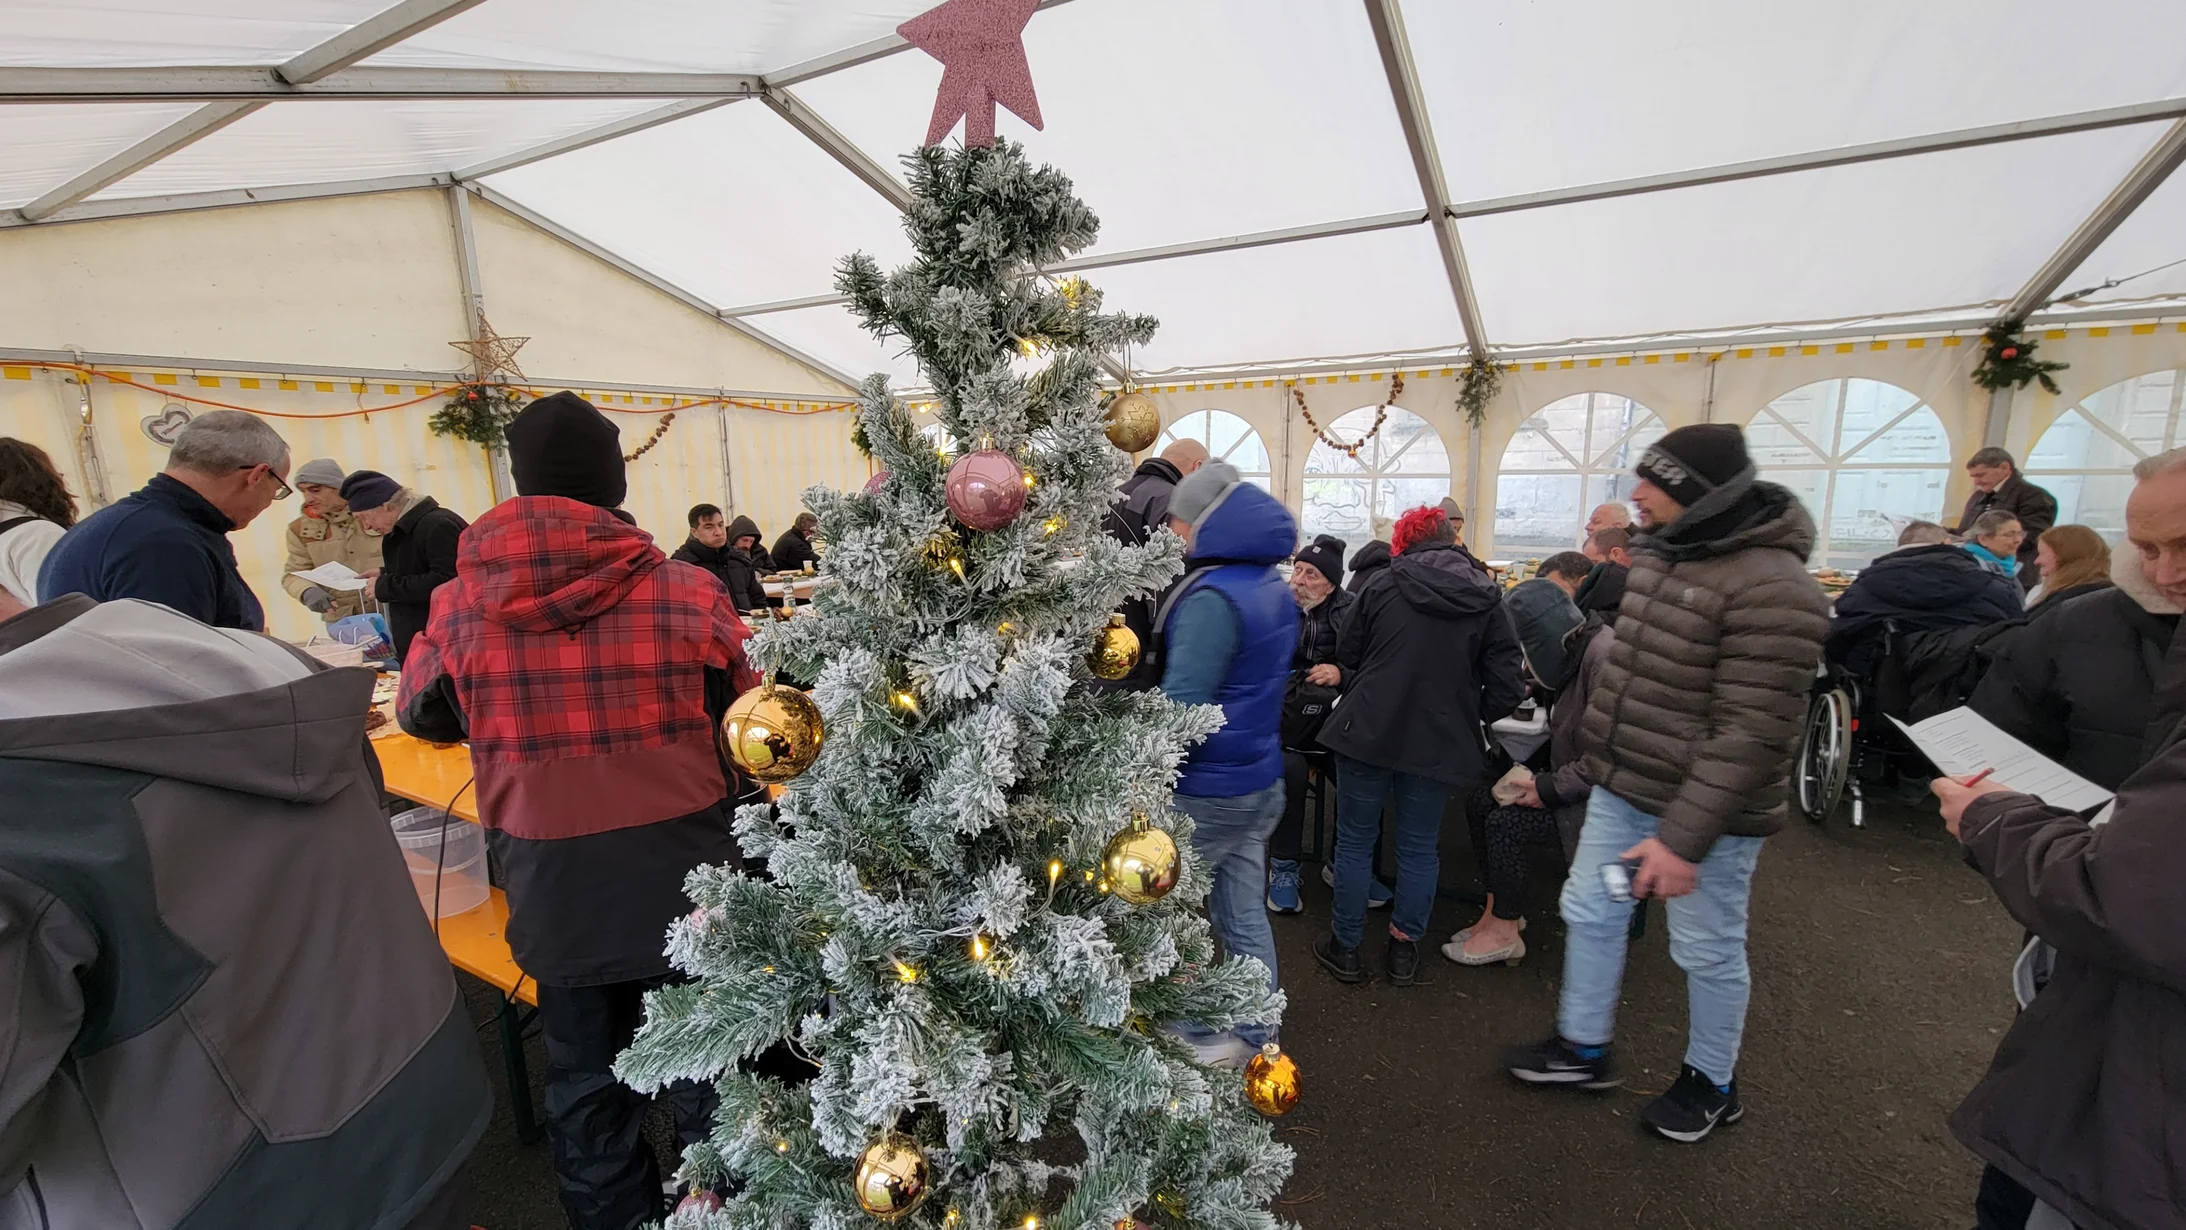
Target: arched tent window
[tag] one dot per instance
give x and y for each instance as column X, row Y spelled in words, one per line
column 2086, row 457
column 1357, row 499
column 1228, row 438
column 1571, row 455
column 1866, row 456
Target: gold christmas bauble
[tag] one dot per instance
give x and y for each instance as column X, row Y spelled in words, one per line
column 772, row 732
column 892, row 1177
column 1141, row 863
column 1134, row 422
column 1271, row 1081
column 1115, row 650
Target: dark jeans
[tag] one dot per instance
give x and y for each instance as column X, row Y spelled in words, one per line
column 1361, row 791
column 1504, row 839
column 1289, row 839
column 609, row 1178
column 2003, row 1204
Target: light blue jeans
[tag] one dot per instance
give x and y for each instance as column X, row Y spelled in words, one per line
column 1231, row 834
column 1707, row 938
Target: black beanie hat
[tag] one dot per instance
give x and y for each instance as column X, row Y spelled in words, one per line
column 1692, row 461
column 1325, row 553
column 562, row 445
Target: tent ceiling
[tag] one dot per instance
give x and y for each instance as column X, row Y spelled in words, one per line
column 1190, row 122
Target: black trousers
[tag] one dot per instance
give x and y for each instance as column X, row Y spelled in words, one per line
column 1290, row 830
column 1504, row 839
column 609, row 1177
column 2002, row 1203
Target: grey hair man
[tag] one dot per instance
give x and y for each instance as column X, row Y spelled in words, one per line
column 167, row 542
column 1998, row 486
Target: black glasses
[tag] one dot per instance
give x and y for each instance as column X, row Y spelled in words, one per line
column 281, row 489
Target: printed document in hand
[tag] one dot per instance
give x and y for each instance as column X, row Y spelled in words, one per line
column 333, row 574
column 1962, row 742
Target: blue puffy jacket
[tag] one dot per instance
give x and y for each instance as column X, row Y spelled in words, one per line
column 1235, row 546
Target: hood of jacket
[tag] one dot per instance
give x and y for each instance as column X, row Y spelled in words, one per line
column 1373, row 555
column 1244, row 526
column 1934, row 577
column 742, row 527
column 1443, row 581
column 2126, row 574
column 1529, row 599
column 548, row 563
column 1156, row 467
column 1742, row 514
column 135, row 686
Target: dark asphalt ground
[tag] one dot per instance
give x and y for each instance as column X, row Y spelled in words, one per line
column 1880, row 991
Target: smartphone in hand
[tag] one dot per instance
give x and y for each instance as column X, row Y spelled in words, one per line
column 1617, row 880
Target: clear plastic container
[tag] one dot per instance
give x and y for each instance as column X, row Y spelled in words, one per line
column 455, row 858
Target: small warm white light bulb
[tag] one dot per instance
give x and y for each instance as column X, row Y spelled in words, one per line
column 1032, row 1221
column 905, row 973
column 781, row 1146
column 956, row 565
column 906, row 702
column 980, row 951
column 1054, row 871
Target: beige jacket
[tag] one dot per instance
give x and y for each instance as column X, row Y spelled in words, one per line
column 1699, row 706
column 313, row 541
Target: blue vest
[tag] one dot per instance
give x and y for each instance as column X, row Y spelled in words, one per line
column 1240, row 539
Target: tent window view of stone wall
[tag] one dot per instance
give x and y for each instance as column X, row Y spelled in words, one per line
column 1228, row 438
column 1866, row 457
column 2086, row 457
column 1567, row 457
column 1358, row 499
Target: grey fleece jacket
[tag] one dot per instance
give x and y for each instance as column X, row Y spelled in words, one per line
column 228, row 1009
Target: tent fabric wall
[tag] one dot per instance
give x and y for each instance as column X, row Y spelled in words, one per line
column 1730, row 386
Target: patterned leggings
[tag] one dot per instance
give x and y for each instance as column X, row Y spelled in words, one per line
column 1503, row 841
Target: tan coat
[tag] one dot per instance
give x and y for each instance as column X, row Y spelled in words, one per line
column 1700, row 704
column 313, row 541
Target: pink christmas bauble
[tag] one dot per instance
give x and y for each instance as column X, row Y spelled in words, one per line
column 701, row 1201
column 986, row 489
column 873, row 484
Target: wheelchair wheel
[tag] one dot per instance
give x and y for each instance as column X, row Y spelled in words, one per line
column 1825, row 754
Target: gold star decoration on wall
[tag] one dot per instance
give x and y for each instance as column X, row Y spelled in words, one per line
column 493, row 357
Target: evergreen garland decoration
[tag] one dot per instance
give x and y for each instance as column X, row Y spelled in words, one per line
column 2007, row 359
column 479, row 412
column 1477, row 386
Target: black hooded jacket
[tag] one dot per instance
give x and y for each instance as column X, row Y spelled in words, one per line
column 733, row 568
column 1921, row 589
column 1603, row 589
column 2078, row 683
column 1427, row 657
column 1372, row 558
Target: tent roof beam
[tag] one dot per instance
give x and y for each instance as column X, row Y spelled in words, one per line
column 2147, row 175
column 259, row 84
column 391, row 26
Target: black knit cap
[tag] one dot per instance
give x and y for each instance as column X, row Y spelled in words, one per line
column 1325, row 553
column 1692, row 461
column 562, row 445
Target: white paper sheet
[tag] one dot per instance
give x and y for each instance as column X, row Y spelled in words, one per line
column 1962, row 742
column 334, row 574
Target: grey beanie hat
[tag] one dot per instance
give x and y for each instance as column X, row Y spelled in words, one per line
column 322, row 471
column 1200, row 489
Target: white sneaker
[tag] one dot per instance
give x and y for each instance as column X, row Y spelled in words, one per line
column 1222, row 1050
column 1378, row 894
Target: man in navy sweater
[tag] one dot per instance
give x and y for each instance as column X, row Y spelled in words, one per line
column 168, row 541
column 1227, row 632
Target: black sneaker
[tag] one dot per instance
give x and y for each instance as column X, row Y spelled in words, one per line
column 1403, row 962
column 1554, row 1062
column 1691, row 1108
column 1342, row 962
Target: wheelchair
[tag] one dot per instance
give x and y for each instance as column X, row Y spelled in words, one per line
column 1848, row 736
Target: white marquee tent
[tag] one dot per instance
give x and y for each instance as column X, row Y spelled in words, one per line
column 1652, row 212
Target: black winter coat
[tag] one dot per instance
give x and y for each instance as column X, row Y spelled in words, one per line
column 1141, row 511
column 416, row 557
column 2078, row 683
column 732, row 568
column 1603, row 589
column 1427, row 658
column 1921, row 589
column 1320, row 630
column 1372, row 558
column 792, row 551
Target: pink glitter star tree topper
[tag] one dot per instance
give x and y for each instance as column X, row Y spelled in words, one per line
column 980, row 44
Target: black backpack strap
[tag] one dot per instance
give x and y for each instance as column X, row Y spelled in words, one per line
column 12, row 522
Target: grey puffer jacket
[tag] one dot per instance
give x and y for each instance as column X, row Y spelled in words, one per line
column 1564, row 788
column 1696, row 711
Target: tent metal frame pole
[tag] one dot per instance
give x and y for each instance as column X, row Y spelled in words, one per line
column 251, row 83
column 373, row 35
column 2139, row 184
column 1404, row 89
column 498, row 478
column 659, row 283
column 805, row 120
column 1814, row 160
column 593, row 136
column 222, row 198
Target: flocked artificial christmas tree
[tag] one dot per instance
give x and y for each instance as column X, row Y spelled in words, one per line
column 943, row 934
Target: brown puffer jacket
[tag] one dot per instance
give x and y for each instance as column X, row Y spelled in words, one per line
column 1700, row 703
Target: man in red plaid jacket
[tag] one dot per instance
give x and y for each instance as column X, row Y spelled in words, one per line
column 588, row 672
